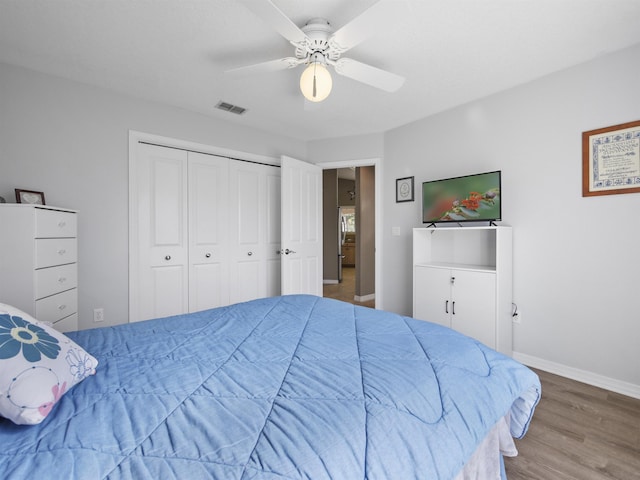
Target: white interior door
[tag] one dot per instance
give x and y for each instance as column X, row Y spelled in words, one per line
column 301, row 227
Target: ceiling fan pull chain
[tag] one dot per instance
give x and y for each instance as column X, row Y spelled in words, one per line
column 314, row 82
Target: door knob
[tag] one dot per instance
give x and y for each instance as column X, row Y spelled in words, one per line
column 287, row 251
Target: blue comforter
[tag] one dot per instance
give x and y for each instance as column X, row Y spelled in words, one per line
column 293, row 387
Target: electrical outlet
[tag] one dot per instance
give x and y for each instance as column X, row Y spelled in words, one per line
column 517, row 317
column 98, row 314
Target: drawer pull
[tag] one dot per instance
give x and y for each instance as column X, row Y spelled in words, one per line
column 61, row 307
column 62, row 224
column 168, row 257
column 62, row 280
column 208, row 255
column 62, row 251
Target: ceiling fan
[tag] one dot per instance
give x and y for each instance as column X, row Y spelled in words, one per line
column 318, row 46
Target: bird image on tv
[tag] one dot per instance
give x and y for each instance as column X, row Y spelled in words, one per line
column 472, row 198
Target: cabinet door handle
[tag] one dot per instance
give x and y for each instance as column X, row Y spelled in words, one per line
column 446, row 306
column 453, row 308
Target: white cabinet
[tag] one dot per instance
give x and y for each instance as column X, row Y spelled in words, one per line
column 204, row 232
column 38, row 262
column 462, row 279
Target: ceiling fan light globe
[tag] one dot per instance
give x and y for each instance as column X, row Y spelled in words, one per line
column 323, row 82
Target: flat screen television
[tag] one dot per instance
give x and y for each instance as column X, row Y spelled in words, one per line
column 472, row 198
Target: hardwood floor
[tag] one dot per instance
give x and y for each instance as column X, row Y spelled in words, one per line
column 346, row 289
column 579, row 432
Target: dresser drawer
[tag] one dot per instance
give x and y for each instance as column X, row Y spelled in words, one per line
column 51, row 309
column 55, row 251
column 68, row 324
column 55, row 224
column 56, row 279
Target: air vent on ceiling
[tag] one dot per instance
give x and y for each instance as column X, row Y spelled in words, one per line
column 228, row 107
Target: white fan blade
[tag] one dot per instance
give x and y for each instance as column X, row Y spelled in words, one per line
column 272, row 15
column 387, row 81
column 366, row 24
column 264, row 67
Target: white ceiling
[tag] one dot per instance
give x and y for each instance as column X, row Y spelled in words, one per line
column 176, row 52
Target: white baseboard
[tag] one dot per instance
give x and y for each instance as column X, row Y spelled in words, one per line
column 583, row 376
column 330, row 282
column 365, row 298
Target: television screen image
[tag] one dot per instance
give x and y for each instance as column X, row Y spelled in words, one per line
column 472, row 198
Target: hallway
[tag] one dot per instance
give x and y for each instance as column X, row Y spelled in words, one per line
column 345, row 290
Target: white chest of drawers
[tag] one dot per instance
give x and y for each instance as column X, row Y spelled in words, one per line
column 38, row 262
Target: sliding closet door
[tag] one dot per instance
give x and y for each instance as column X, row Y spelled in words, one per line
column 254, row 231
column 204, row 232
column 161, row 275
column 208, row 231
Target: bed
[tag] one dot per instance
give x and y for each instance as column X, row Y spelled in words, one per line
column 291, row 387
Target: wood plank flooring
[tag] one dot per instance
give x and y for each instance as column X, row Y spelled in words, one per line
column 346, row 289
column 579, row 432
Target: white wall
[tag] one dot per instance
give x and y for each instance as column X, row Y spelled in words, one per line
column 576, row 260
column 70, row 141
column 346, row 148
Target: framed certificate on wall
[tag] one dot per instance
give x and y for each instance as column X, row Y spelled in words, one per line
column 611, row 160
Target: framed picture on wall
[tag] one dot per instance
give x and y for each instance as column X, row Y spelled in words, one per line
column 30, row 197
column 611, row 160
column 404, row 190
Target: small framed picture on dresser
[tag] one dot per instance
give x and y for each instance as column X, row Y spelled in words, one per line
column 30, row 197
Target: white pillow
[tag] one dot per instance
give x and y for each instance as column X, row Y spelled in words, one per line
column 38, row 365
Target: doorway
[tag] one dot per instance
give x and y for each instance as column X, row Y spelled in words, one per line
column 349, row 234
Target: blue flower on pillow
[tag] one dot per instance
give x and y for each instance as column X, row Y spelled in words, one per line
column 17, row 334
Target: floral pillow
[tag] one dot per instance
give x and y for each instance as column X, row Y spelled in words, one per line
column 37, row 366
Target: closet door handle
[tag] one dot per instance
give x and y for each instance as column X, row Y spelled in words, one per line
column 446, row 306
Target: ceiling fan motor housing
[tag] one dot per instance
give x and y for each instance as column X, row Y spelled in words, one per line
column 317, row 47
